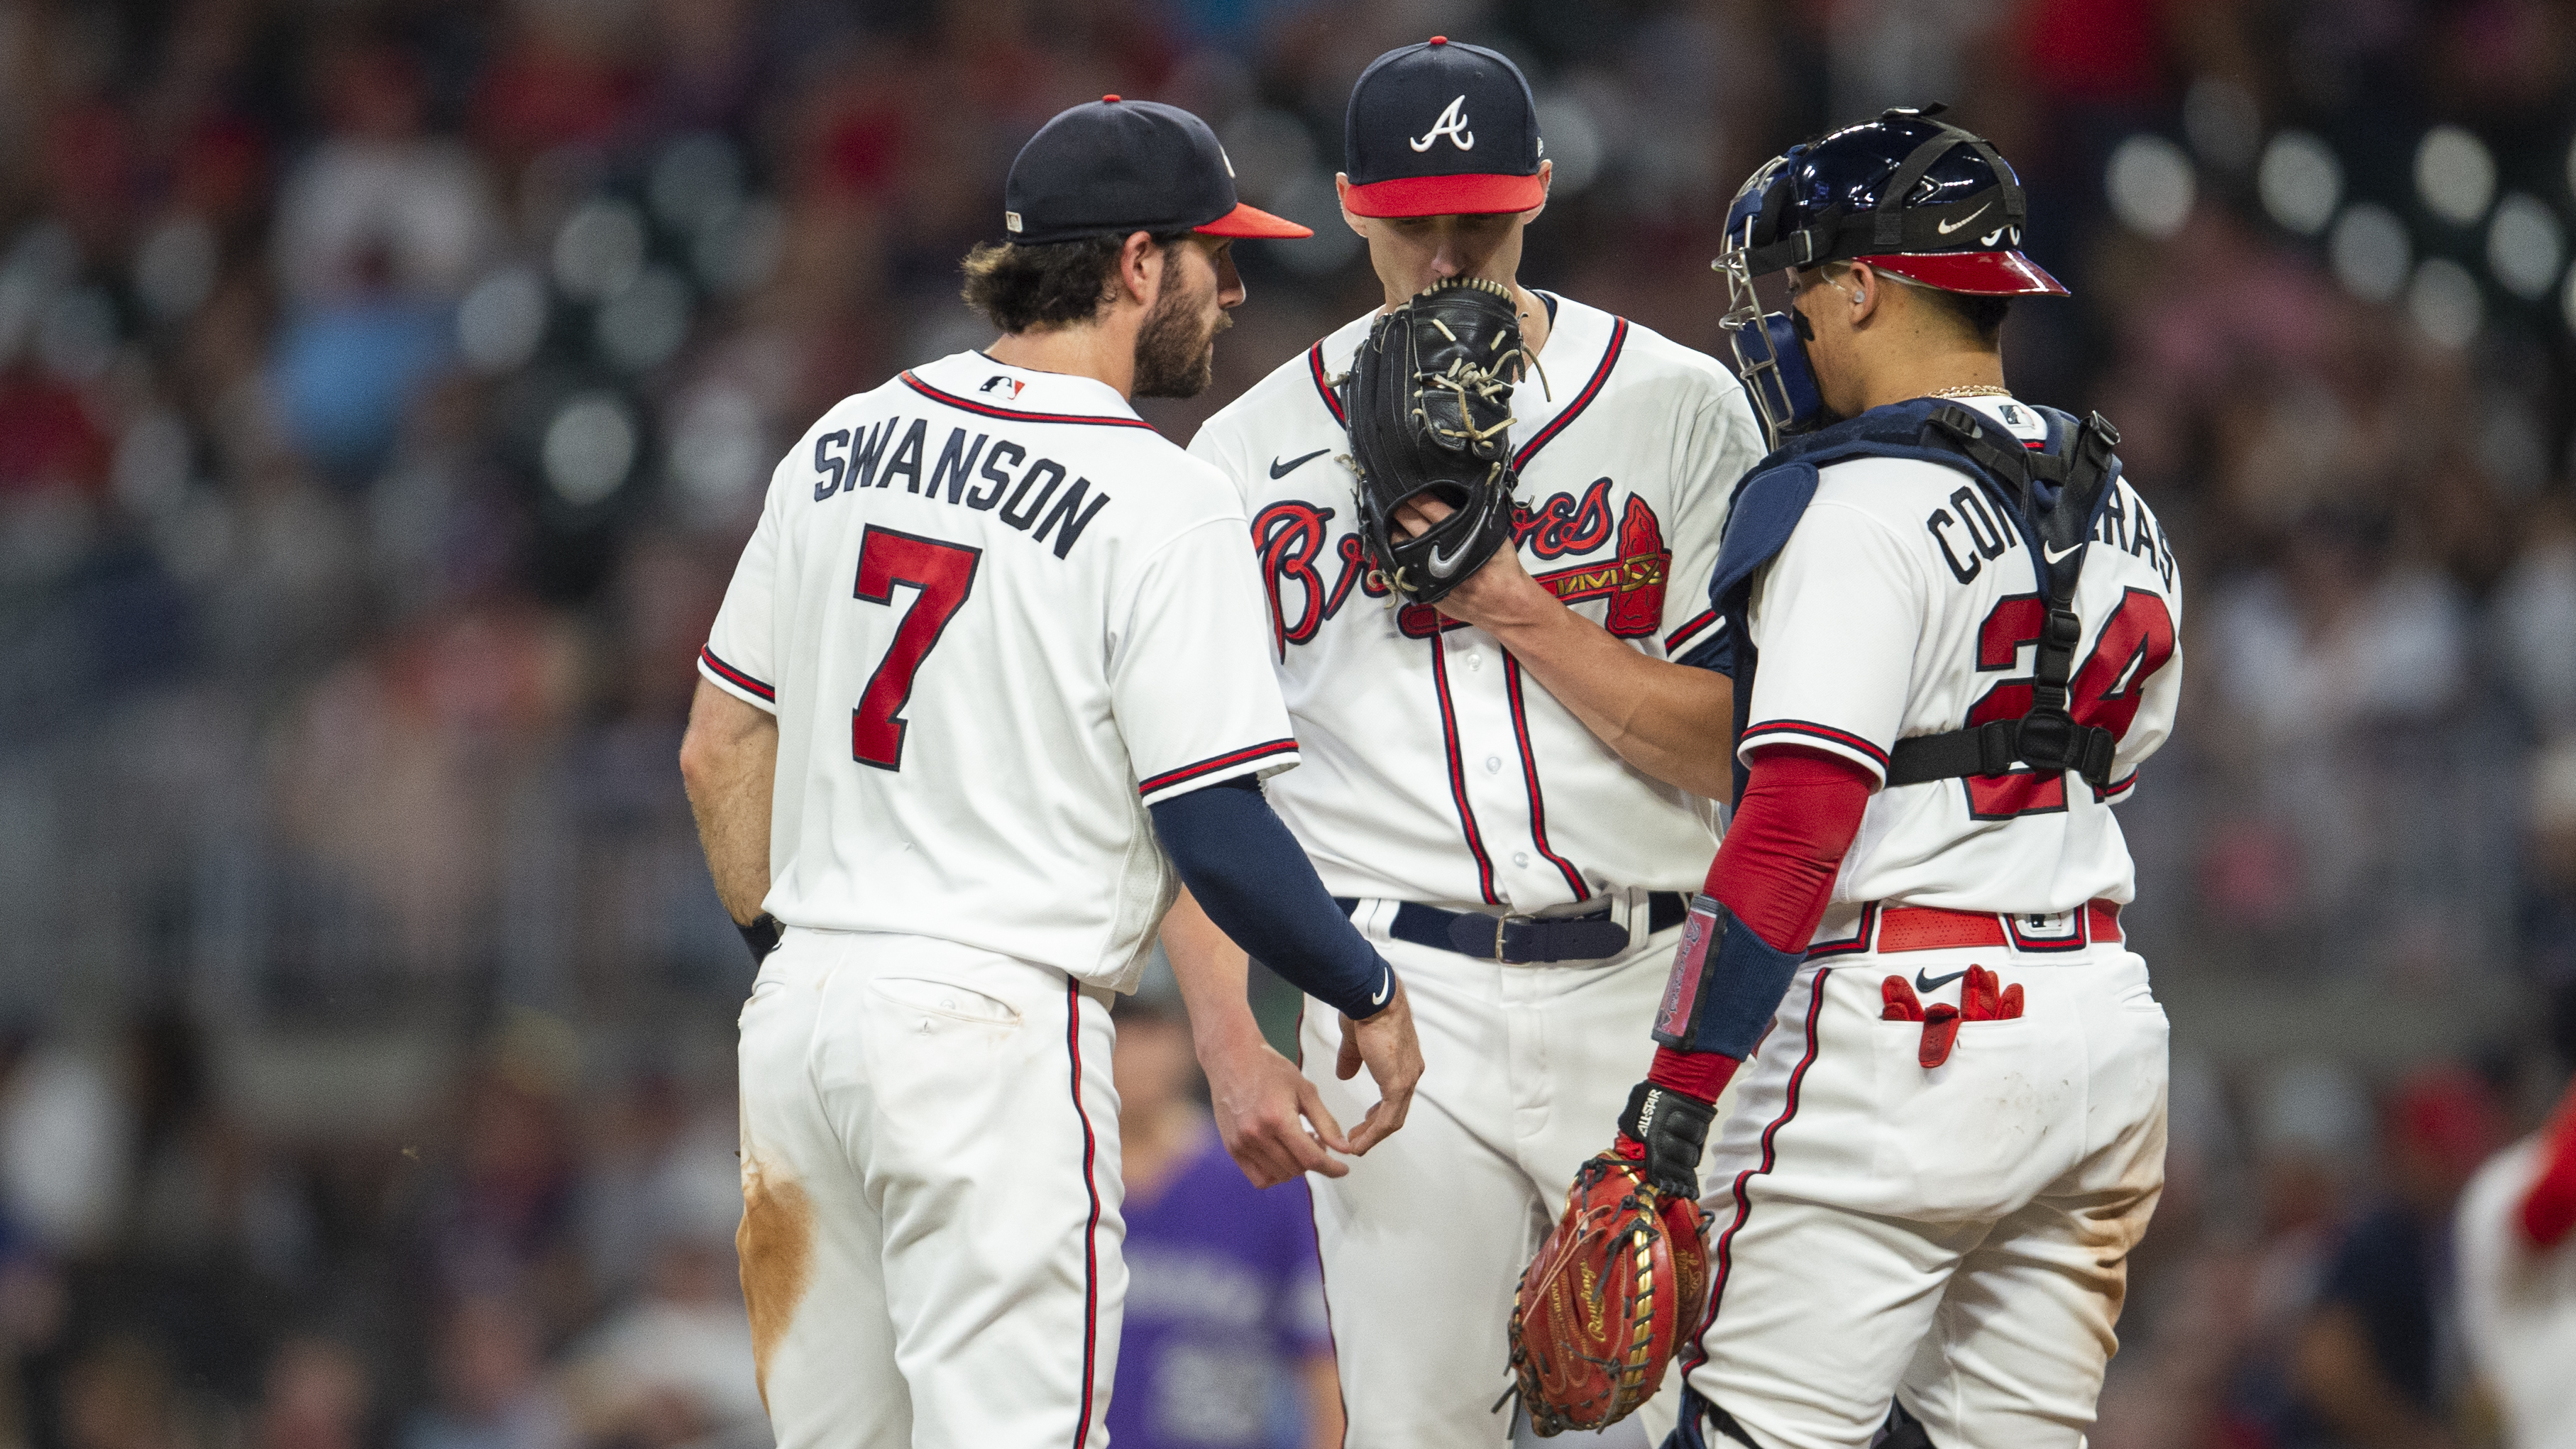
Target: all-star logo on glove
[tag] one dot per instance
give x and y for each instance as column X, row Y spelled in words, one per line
column 1673, row 1129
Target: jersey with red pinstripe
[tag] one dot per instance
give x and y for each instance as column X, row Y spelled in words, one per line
column 997, row 616
column 1905, row 604
column 1434, row 770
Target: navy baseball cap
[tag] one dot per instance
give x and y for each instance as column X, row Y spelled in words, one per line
column 1118, row 166
column 1442, row 128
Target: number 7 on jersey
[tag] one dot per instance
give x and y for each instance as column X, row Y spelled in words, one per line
column 944, row 573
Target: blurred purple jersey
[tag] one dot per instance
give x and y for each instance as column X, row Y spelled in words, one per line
column 1223, row 1301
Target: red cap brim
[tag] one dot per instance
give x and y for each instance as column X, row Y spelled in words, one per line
column 1979, row 274
column 1446, row 195
column 1252, row 221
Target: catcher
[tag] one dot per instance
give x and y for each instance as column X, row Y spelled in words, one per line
column 1953, row 635
column 1480, row 512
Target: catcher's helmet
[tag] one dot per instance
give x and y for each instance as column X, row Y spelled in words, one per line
column 1906, row 193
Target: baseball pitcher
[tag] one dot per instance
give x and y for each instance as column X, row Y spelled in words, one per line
column 1482, row 515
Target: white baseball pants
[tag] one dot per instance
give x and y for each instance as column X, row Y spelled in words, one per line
column 931, row 1231
column 1954, row 1237
column 1524, row 1072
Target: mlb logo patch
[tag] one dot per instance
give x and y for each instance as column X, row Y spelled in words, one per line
column 1002, row 385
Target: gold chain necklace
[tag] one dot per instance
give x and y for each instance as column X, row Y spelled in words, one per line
column 1971, row 389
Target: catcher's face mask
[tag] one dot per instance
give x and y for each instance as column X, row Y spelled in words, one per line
column 1907, row 193
column 1770, row 350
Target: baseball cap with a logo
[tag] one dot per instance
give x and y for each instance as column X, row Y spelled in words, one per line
column 1118, row 166
column 1442, row 128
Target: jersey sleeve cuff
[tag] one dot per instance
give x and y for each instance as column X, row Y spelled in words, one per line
column 1696, row 632
column 2119, row 790
column 1261, row 760
column 737, row 683
column 1810, row 735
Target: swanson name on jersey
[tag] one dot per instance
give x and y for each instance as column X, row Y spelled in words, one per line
column 976, row 473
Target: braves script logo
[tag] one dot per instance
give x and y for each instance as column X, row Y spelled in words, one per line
column 1561, row 526
column 1452, row 124
column 1290, row 538
column 1310, row 582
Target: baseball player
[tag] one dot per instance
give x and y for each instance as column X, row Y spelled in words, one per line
column 1953, row 639
column 2516, row 1238
column 1510, row 791
column 991, row 639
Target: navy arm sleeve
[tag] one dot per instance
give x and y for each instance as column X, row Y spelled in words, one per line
column 1252, row 880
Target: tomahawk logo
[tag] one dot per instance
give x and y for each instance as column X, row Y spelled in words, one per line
column 1002, row 383
column 1452, row 124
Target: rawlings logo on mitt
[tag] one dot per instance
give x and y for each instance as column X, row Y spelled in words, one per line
column 1612, row 1293
column 1429, row 404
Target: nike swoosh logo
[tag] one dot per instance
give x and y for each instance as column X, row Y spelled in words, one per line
column 2054, row 554
column 1444, row 566
column 1935, row 983
column 1282, row 470
column 1386, row 978
column 1947, row 227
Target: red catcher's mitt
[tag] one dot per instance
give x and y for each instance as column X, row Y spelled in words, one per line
column 1612, row 1292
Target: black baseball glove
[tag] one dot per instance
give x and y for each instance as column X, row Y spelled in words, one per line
column 1429, row 403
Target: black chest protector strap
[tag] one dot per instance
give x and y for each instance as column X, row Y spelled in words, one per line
column 2060, row 495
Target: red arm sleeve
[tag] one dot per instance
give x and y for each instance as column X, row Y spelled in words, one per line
column 1776, row 871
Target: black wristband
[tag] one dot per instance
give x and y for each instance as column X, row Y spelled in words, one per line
column 761, row 936
column 1674, row 1129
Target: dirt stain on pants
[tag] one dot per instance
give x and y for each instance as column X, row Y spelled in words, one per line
column 776, row 1246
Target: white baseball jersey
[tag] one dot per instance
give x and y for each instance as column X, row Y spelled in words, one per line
column 2518, row 1304
column 997, row 615
column 1905, row 604
column 1435, row 770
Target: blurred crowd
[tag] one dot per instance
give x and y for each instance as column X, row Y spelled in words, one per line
column 523, row 1264
column 386, row 386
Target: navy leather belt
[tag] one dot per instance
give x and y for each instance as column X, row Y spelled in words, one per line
column 1525, row 940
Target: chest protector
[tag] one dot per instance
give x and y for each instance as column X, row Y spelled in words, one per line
column 2052, row 494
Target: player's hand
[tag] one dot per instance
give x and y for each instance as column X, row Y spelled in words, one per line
column 1500, row 592
column 1385, row 1044
column 1273, row 1120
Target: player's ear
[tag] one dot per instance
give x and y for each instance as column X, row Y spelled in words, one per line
column 1546, row 177
column 1342, row 193
column 1867, row 288
column 1140, row 267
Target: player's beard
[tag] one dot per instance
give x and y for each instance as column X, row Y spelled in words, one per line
column 1175, row 350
